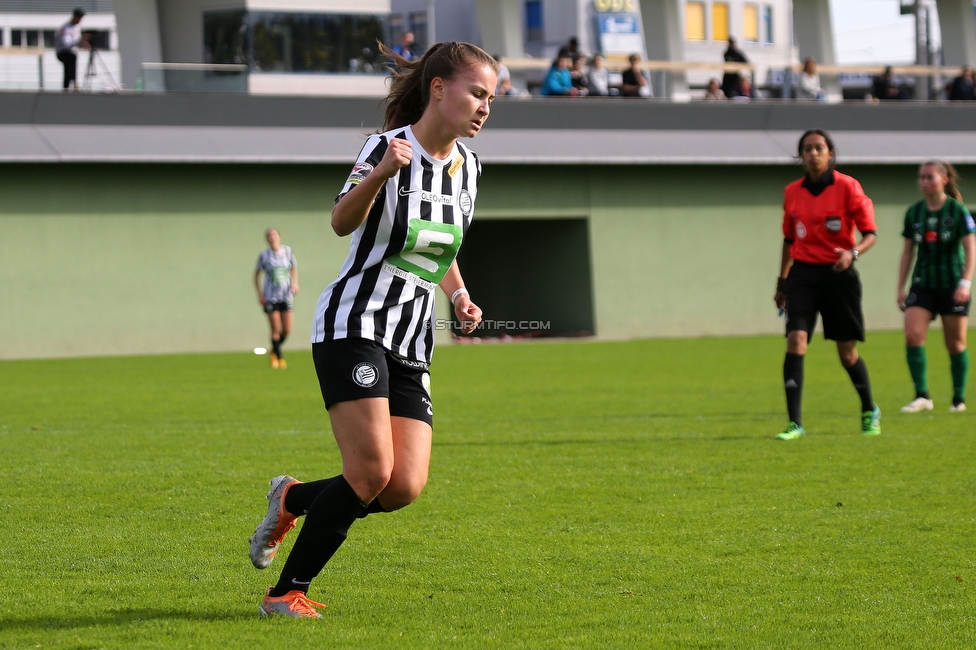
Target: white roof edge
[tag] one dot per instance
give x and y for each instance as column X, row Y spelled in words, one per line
column 42, row 143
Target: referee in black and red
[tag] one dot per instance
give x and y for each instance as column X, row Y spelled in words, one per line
column 818, row 275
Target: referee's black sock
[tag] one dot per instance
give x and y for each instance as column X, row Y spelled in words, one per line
column 793, row 383
column 323, row 532
column 859, row 375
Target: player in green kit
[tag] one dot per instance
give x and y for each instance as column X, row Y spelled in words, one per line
column 942, row 230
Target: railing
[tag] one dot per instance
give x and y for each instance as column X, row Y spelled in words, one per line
column 193, row 77
column 28, row 51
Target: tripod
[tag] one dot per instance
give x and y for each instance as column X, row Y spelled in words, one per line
column 94, row 61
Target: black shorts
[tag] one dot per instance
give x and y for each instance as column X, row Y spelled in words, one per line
column 937, row 301
column 351, row 369
column 813, row 288
column 277, row 306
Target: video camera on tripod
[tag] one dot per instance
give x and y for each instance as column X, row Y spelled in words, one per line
column 96, row 64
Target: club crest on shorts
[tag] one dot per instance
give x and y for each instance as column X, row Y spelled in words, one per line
column 365, row 374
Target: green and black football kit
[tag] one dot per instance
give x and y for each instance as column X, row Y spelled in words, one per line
column 939, row 266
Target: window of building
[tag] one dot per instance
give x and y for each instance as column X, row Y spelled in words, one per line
column 720, row 21
column 32, row 38
column 418, row 25
column 295, row 42
column 695, row 21
column 767, row 24
column 1, row 38
column 225, row 37
column 16, row 38
column 398, row 27
column 534, row 28
column 48, row 38
column 750, row 23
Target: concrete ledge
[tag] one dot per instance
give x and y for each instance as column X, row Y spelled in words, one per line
column 55, row 127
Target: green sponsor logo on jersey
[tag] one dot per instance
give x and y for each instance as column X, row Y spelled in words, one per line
column 430, row 249
column 279, row 274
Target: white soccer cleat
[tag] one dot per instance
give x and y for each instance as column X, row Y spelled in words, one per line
column 958, row 408
column 275, row 525
column 918, row 405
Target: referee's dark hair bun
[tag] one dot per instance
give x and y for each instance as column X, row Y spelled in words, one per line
column 410, row 90
column 827, row 139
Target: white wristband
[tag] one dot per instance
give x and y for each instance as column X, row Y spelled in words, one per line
column 963, row 282
column 458, row 293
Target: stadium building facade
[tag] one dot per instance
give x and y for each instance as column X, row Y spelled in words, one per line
column 131, row 223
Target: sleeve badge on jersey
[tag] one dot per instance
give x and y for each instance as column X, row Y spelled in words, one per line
column 359, row 173
column 465, row 203
column 970, row 223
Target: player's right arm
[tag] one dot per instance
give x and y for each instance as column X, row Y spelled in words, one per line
column 904, row 266
column 257, row 286
column 352, row 209
column 786, row 260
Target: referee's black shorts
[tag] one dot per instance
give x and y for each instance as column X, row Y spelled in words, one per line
column 350, row 369
column 817, row 288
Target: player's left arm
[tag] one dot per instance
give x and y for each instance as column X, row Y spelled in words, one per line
column 861, row 209
column 466, row 311
column 293, row 272
column 964, row 290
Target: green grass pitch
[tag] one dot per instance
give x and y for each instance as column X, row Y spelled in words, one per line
column 582, row 495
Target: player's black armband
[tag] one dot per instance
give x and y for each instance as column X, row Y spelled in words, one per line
column 788, row 241
column 869, row 232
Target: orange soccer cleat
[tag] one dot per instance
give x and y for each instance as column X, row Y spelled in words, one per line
column 275, row 525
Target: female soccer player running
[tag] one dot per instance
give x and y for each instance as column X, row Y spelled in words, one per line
column 941, row 228
column 280, row 269
column 817, row 274
column 407, row 203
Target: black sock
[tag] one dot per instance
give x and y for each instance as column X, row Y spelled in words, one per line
column 281, row 338
column 793, row 382
column 859, row 375
column 301, row 497
column 276, row 347
column 324, row 531
column 373, row 508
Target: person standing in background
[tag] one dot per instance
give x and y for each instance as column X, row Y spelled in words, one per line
column 66, row 45
column 634, row 83
column 730, row 80
column 942, row 230
column 406, row 47
column 817, row 274
column 280, row 269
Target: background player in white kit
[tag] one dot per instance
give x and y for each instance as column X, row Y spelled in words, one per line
column 280, row 269
column 408, row 204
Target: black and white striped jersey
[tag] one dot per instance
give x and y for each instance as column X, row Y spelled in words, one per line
column 385, row 288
